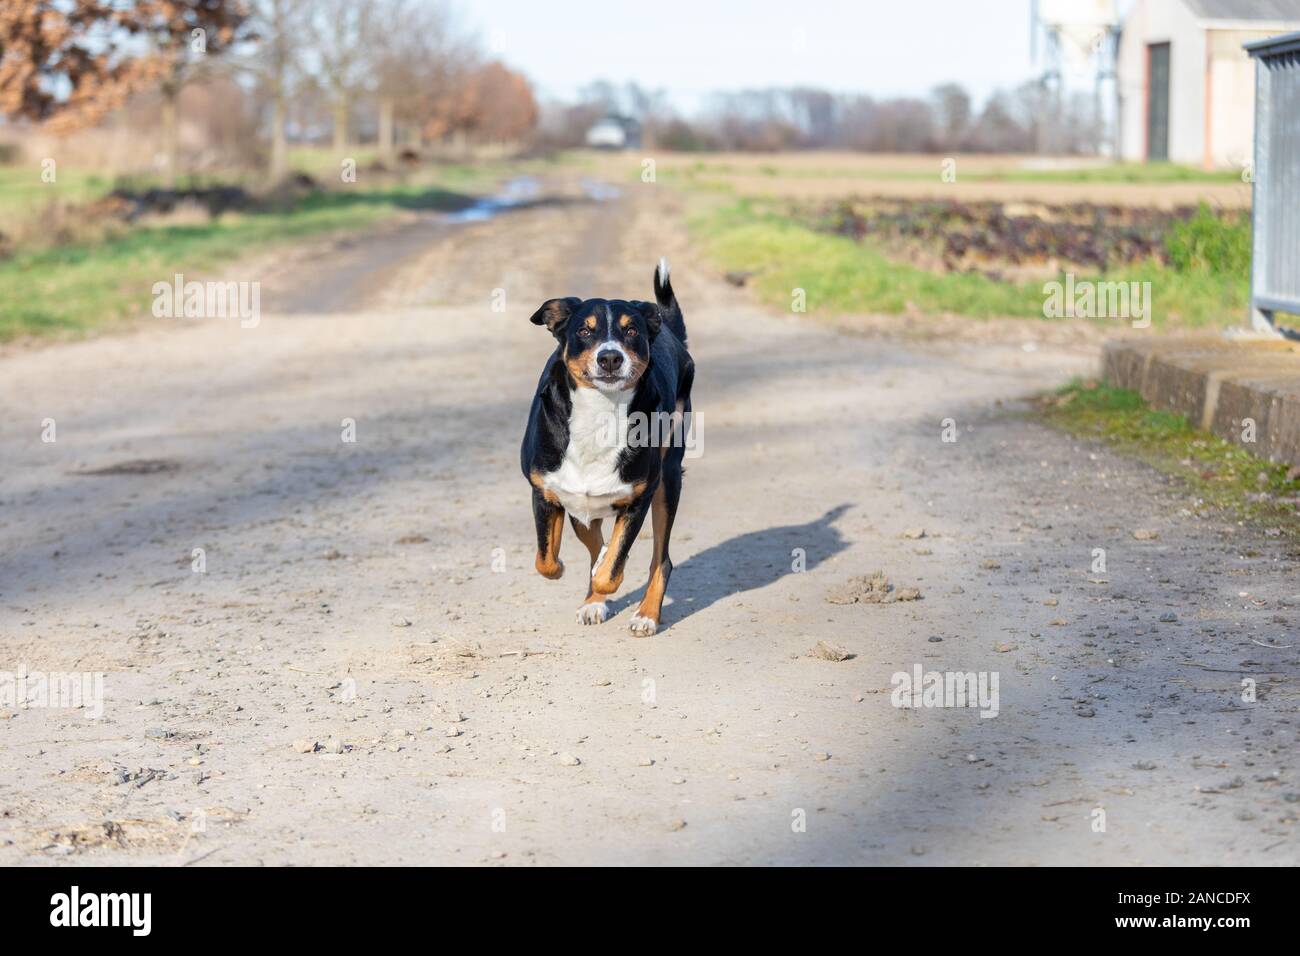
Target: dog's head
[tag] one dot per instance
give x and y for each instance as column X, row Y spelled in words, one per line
column 605, row 343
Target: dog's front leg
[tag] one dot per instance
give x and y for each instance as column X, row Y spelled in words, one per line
column 608, row 575
column 593, row 609
column 549, row 518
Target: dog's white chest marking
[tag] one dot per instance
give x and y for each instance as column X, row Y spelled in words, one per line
column 587, row 482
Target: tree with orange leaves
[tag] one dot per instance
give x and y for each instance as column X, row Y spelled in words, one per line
column 68, row 64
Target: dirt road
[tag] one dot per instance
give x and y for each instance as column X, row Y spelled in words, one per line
column 377, row 597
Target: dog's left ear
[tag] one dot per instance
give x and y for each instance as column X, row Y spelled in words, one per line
column 554, row 313
column 650, row 312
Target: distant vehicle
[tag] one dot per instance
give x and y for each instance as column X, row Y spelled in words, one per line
column 614, row 132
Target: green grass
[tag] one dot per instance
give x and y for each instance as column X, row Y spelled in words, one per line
column 1114, row 173
column 1150, row 173
column 840, row 275
column 1218, row 473
column 1203, row 287
column 23, row 193
column 75, row 288
column 54, row 288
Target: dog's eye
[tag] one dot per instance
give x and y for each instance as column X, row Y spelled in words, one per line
column 631, row 333
column 584, row 333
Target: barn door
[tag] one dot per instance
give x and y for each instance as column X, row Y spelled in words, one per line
column 1158, row 102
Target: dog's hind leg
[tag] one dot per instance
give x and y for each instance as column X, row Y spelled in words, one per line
column 662, row 512
column 594, row 609
column 549, row 518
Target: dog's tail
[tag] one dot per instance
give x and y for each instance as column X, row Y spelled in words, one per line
column 668, row 307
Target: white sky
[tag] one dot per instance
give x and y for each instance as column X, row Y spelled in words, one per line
column 692, row 47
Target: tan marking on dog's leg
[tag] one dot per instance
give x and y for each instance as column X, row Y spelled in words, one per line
column 638, row 489
column 602, row 581
column 646, row 620
column 538, row 482
column 548, row 562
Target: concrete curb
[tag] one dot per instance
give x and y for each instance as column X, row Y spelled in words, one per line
column 1219, row 385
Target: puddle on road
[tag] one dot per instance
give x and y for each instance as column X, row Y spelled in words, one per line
column 521, row 191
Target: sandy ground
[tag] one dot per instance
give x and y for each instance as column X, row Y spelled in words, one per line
column 377, row 597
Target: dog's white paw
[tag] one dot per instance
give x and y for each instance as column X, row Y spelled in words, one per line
column 643, row 626
column 593, row 613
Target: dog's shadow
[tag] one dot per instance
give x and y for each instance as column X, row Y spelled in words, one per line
column 746, row 562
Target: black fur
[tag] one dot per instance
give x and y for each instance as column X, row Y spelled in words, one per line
column 655, row 337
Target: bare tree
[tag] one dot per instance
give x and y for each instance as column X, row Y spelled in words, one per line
column 398, row 35
column 420, row 62
column 952, row 108
column 342, row 32
column 278, row 27
column 182, row 34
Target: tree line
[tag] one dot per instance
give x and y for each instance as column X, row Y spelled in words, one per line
column 404, row 70
column 403, row 73
column 1029, row 118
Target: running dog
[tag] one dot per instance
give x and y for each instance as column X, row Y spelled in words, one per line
column 606, row 438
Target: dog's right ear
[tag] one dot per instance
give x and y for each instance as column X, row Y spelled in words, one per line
column 554, row 313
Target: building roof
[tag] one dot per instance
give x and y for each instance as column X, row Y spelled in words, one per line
column 1267, row 10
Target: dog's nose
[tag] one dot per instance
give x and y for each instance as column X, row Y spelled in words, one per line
column 609, row 360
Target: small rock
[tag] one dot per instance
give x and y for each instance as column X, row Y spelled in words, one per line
column 676, row 825
column 304, row 746
column 1169, row 617
column 821, row 756
column 332, row 746
column 568, row 759
column 646, row 762
column 1146, row 534
column 827, row 651
column 914, row 533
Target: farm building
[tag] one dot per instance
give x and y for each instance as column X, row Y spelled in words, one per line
column 1186, row 86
